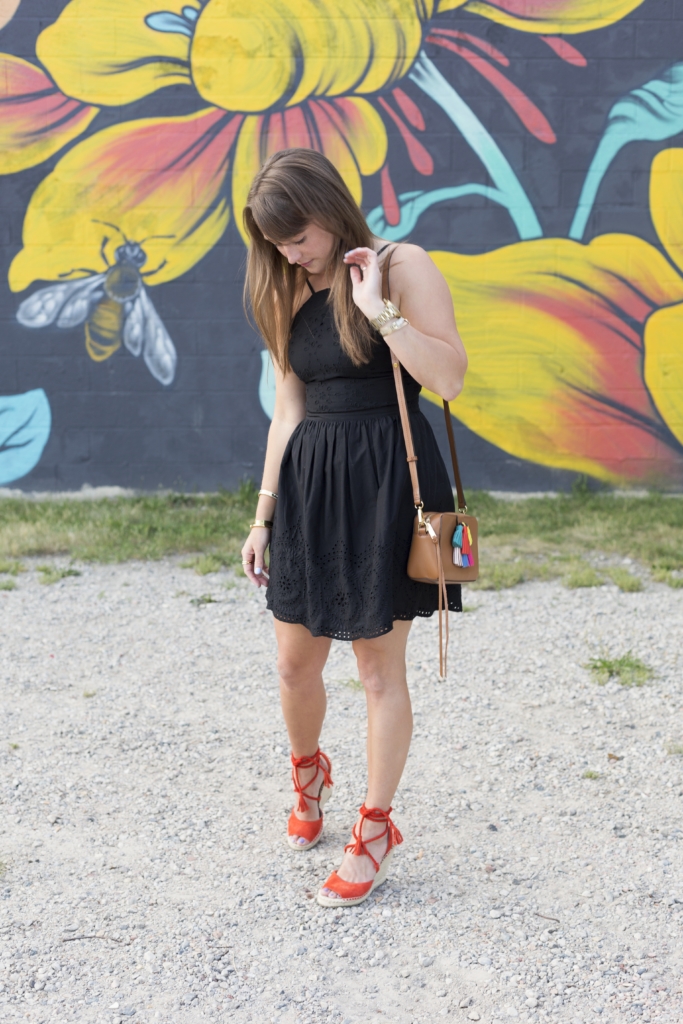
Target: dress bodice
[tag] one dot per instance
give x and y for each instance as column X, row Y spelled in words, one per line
column 334, row 386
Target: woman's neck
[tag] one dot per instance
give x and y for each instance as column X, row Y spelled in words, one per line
column 318, row 281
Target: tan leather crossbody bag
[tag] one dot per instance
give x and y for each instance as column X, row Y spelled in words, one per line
column 444, row 547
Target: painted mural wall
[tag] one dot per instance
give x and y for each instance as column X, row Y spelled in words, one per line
column 534, row 147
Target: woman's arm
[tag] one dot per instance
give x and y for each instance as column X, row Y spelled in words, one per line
column 289, row 410
column 430, row 347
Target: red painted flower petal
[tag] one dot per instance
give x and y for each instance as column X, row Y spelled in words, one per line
column 392, row 211
column 565, row 50
column 409, row 109
column 419, row 156
column 36, row 119
column 481, row 44
column 526, row 110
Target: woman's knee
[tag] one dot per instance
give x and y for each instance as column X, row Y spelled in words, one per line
column 379, row 675
column 297, row 672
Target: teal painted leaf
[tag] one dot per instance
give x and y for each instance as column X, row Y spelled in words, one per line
column 651, row 113
column 166, row 21
column 25, row 423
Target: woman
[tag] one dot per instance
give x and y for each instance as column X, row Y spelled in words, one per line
column 335, row 504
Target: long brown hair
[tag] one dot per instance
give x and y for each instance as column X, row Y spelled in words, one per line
column 294, row 188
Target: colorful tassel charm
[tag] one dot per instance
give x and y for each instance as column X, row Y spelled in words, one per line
column 467, row 558
column 457, row 544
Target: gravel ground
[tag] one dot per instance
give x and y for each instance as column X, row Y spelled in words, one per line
column 145, row 795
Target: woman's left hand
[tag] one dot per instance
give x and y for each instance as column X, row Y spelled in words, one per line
column 367, row 281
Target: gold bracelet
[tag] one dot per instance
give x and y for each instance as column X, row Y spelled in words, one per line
column 389, row 312
column 267, row 523
column 395, row 325
column 268, row 494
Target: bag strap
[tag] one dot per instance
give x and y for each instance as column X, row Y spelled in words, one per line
column 405, row 418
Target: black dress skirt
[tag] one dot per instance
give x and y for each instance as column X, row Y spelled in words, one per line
column 344, row 518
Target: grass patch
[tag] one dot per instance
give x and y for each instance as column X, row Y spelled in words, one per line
column 628, row 670
column 14, row 746
column 89, row 693
column 534, row 539
column 51, row 574
column 625, row 580
column 674, row 748
column 7, row 585
column 668, row 577
column 204, row 599
column 498, row 576
column 470, row 607
column 354, row 684
column 550, row 530
column 582, row 575
column 10, row 567
column 204, row 564
column 121, row 529
column 503, row 570
column 590, row 774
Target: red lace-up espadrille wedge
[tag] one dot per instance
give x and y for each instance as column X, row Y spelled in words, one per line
column 311, row 831
column 348, row 894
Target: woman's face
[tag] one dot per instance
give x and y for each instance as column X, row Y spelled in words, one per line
column 311, row 249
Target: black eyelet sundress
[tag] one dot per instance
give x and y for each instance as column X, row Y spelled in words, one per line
column 344, row 517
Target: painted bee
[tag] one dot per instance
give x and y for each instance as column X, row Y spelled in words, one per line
column 114, row 306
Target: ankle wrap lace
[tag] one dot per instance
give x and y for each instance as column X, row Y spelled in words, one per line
column 310, row 762
column 359, row 845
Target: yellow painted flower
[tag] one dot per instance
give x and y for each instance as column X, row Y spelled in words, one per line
column 291, row 73
column 272, row 74
column 564, row 16
column 143, row 178
column 575, row 350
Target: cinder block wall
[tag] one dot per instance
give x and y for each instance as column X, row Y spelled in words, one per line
column 535, row 150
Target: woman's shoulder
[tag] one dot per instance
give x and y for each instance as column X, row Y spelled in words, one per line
column 405, row 254
column 411, row 266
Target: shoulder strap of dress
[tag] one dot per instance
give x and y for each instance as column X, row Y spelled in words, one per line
column 405, row 419
column 310, row 286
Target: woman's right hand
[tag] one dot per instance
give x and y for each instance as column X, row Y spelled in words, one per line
column 254, row 556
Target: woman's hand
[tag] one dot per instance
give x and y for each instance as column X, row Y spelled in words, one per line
column 367, row 281
column 254, row 556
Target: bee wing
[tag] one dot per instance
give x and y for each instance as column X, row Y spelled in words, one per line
column 68, row 304
column 134, row 327
column 158, row 350
column 78, row 305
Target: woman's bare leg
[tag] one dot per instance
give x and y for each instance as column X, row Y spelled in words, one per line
column 382, row 670
column 301, row 659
